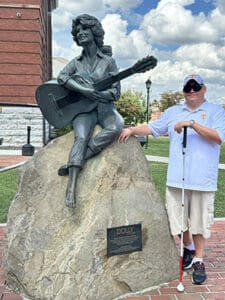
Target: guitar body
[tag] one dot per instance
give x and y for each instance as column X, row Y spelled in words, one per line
column 59, row 105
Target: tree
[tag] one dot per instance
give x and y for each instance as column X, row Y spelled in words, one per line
column 132, row 107
column 169, row 99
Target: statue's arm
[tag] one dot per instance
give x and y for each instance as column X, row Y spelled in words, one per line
column 75, row 83
column 112, row 93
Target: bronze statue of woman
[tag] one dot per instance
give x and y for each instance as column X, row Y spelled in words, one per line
column 94, row 63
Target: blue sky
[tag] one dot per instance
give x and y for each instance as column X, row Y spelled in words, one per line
column 186, row 36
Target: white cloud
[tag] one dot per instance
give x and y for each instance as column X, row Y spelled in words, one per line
column 116, row 35
column 217, row 21
column 81, row 6
column 216, row 93
column 125, row 46
column 141, row 43
column 198, row 41
column 58, row 63
column 164, row 3
column 61, row 20
column 203, row 55
column 122, row 5
column 171, row 23
column 221, row 6
column 65, row 52
column 67, row 10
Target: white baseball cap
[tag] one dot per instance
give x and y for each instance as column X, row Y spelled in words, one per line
column 194, row 77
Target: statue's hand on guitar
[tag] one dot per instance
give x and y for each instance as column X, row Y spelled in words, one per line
column 89, row 94
column 84, row 86
column 94, row 95
column 81, row 85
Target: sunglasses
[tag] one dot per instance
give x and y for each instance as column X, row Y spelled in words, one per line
column 192, row 86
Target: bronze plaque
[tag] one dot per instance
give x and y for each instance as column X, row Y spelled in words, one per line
column 124, row 239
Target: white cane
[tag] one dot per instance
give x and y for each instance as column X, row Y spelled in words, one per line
column 180, row 287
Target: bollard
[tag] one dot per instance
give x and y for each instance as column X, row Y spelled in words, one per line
column 141, row 140
column 28, row 149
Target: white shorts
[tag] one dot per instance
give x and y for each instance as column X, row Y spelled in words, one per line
column 198, row 211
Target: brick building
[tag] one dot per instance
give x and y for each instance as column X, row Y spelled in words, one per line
column 25, row 62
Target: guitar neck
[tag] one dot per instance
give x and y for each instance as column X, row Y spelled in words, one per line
column 143, row 65
column 107, row 82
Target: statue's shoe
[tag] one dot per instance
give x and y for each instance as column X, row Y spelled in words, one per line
column 63, row 171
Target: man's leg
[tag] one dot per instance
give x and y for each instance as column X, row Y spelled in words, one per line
column 187, row 238
column 173, row 205
column 189, row 250
column 201, row 219
column 199, row 273
column 199, row 242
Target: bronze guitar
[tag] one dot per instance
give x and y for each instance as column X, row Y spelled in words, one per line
column 60, row 105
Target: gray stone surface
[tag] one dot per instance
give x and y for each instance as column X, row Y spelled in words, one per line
column 55, row 252
column 13, row 126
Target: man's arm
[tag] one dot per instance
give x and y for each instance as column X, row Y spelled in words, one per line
column 138, row 130
column 207, row 133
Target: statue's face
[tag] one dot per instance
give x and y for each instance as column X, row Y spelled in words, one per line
column 84, row 35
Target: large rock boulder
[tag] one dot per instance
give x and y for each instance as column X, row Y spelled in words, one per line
column 53, row 252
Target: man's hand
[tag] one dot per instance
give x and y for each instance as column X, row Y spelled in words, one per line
column 136, row 130
column 180, row 125
column 125, row 134
column 207, row 133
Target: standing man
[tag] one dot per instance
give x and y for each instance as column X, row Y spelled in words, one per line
column 206, row 132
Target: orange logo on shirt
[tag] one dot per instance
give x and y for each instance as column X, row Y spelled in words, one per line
column 203, row 116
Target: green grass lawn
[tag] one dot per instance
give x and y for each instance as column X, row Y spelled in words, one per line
column 222, row 154
column 159, row 147
column 158, row 171
column 8, row 187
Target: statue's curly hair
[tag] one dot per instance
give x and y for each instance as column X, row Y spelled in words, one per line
column 92, row 23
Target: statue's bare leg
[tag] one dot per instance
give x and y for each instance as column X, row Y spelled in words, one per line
column 71, row 187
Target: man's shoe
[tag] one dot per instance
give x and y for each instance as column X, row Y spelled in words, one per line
column 188, row 255
column 199, row 274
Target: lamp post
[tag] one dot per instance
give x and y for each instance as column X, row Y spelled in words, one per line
column 148, row 86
